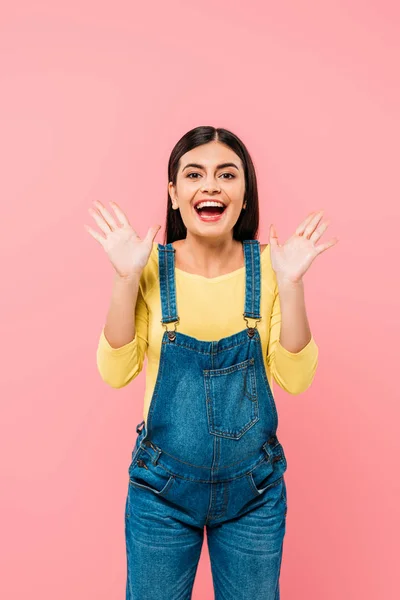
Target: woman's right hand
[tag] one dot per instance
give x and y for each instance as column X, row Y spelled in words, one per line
column 127, row 252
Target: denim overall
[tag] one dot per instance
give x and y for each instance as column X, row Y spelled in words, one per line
column 208, row 457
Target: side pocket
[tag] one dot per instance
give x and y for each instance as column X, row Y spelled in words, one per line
column 268, row 472
column 261, row 477
column 143, row 474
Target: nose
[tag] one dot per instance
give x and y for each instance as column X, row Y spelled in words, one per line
column 211, row 186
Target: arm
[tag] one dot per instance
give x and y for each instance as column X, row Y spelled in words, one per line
column 120, row 324
column 295, row 331
column 292, row 351
column 123, row 340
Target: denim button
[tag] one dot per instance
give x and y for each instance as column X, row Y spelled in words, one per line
column 139, row 428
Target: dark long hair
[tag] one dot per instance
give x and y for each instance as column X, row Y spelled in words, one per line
column 246, row 227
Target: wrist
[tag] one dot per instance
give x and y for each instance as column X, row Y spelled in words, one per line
column 285, row 283
column 132, row 277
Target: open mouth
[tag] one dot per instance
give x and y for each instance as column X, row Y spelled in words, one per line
column 210, row 213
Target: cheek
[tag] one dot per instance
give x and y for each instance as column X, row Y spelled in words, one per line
column 186, row 195
column 187, row 213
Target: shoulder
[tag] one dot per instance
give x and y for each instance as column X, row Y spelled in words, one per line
column 149, row 275
column 264, row 251
column 269, row 276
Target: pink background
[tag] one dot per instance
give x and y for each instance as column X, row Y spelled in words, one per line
column 93, row 98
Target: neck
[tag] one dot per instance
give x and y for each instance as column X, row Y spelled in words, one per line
column 210, row 255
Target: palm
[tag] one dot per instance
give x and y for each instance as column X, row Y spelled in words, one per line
column 291, row 260
column 127, row 252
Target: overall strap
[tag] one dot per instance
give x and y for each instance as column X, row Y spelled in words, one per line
column 252, row 257
column 166, row 271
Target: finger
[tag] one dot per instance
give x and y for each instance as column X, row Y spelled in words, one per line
column 322, row 247
column 122, row 217
column 273, row 236
column 303, row 225
column 120, row 214
column 100, row 221
column 109, row 219
column 309, row 229
column 319, row 231
column 96, row 235
column 152, row 232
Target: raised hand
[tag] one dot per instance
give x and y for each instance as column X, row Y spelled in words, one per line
column 127, row 252
column 291, row 260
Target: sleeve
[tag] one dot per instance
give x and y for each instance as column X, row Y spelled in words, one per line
column 293, row 371
column 118, row 366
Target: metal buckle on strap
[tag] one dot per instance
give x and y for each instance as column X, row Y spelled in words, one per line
column 171, row 334
column 251, row 330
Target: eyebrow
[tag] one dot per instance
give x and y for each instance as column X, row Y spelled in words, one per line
column 221, row 166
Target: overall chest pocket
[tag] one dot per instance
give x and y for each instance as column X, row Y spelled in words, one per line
column 231, row 399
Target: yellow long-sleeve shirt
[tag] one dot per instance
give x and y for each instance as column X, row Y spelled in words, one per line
column 209, row 309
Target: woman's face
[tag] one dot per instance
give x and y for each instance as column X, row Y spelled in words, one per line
column 208, row 180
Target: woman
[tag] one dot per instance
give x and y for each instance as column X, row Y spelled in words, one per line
column 207, row 453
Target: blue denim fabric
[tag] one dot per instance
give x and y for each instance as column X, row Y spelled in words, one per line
column 208, row 458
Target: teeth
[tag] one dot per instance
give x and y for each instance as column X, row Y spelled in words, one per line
column 209, row 203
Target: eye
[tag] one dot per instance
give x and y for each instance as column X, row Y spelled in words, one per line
column 190, row 175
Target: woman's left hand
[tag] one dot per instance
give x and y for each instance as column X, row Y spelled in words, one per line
column 291, row 261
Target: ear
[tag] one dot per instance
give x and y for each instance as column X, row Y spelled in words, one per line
column 171, row 191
